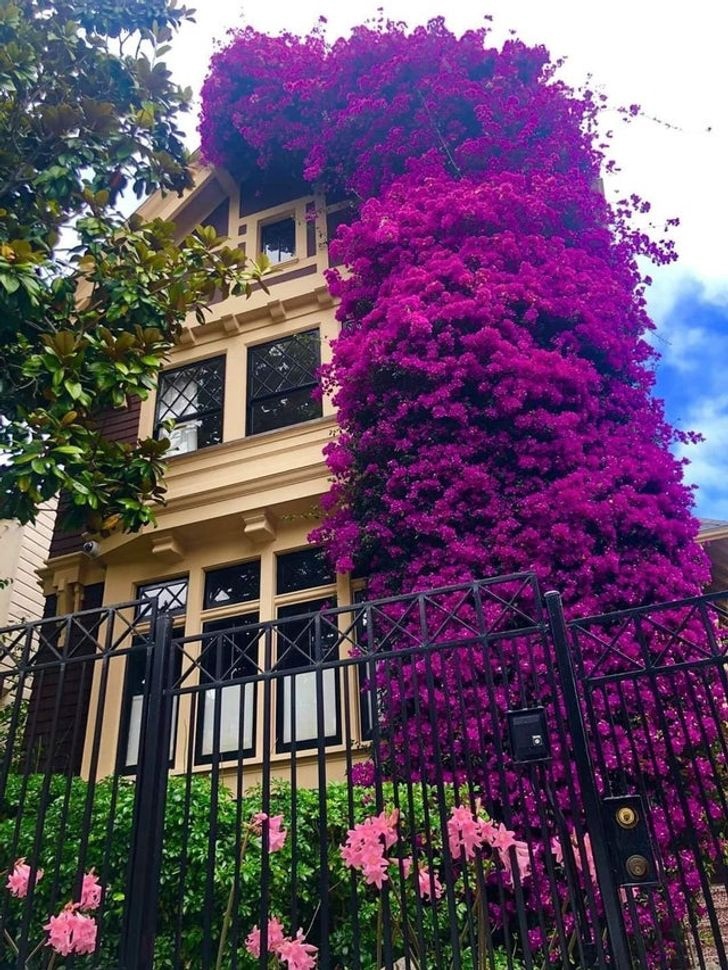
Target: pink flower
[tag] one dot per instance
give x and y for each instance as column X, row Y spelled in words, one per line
column 90, row 891
column 365, row 846
column 19, row 879
column 275, row 938
column 298, row 954
column 428, row 883
column 500, row 837
column 466, row 833
column 523, row 859
column 276, row 832
column 589, row 856
column 502, row 840
column 71, row 932
column 558, row 852
column 406, row 865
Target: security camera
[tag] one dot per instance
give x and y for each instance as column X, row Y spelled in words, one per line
column 90, row 549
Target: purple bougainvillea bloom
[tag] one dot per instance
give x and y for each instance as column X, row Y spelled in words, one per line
column 492, row 379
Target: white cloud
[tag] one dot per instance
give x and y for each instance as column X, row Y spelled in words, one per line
column 708, row 468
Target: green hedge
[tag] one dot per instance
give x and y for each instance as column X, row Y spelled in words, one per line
column 187, row 846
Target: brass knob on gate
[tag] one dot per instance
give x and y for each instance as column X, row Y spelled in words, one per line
column 637, row 866
column 627, row 817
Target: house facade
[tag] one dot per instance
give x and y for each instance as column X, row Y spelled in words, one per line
column 245, row 477
column 23, row 551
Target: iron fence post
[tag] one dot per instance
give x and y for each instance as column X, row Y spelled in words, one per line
column 145, row 859
column 616, row 930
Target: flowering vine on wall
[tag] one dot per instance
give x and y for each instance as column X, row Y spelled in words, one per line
column 492, row 378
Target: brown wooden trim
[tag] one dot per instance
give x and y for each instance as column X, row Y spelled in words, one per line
column 118, row 424
column 311, row 229
column 293, row 274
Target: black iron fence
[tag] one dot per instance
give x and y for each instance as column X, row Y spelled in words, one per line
column 451, row 779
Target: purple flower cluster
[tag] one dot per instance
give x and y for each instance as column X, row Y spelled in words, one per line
column 492, row 380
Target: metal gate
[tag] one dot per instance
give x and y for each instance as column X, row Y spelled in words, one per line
column 650, row 685
column 457, row 778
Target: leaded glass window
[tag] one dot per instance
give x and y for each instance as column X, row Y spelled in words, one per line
column 233, row 584
column 192, row 397
column 282, row 379
column 300, row 694
column 227, row 654
column 138, row 669
column 170, row 594
column 303, row 569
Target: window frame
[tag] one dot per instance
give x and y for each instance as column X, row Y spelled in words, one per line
column 300, row 602
column 235, row 622
column 272, row 220
column 303, row 609
column 211, row 607
column 221, row 361
column 252, row 400
column 145, row 635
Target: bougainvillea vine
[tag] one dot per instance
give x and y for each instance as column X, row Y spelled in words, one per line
column 492, row 378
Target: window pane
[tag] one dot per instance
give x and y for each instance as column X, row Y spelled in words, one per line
column 284, row 365
column 282, row 380
column 193, row 397
column 171, row 596
column 368, row 691
column 299, row 694
column 234, row 584
column 278, row 240
column 137, row 669
column 303, row 570
column 228, row 656
column 280, row 412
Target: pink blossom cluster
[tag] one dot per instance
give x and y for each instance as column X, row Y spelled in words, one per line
column 73, row 930
column 295, row 951
column 365, row 849
column 467, row 833
column 428, row 883
column 276, row 832
column 19, row 879
column 366, row 844
column 558, row 852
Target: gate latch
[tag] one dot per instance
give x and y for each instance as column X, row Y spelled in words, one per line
column 630, row 847
column 528, row 735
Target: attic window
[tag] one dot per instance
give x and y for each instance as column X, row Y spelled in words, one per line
column 278, row 239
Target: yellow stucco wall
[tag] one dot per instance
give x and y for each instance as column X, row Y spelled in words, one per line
column 247, row 497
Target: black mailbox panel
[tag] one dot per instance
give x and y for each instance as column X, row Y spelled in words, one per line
column 528, row 735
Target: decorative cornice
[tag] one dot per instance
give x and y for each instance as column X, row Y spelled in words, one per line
column 259, row 526
column 167, row 548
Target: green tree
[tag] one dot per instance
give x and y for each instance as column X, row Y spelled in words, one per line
column 87, row 109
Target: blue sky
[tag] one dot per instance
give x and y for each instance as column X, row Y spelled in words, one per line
column 692, row 378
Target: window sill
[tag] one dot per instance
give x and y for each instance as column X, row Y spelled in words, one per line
column 289, row 431
column 284, row 264
column 335, row 751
